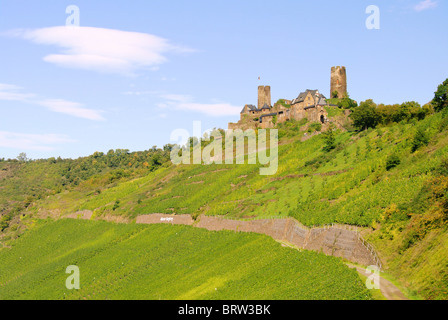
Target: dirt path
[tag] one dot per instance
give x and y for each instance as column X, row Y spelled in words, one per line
column 388, row 289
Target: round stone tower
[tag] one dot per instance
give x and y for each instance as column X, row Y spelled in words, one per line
column 264, row 96
column 338, row 82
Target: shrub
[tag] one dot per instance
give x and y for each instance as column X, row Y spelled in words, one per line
column 116, row 205
column 443, row 167
column 330, row 140
column 392, row 162
column 315, row 126
column 420, row 140
column 283, row 103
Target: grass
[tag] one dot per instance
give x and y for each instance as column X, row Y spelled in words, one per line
column 128, row 261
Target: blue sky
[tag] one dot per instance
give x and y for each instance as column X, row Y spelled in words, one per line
column 134, row 71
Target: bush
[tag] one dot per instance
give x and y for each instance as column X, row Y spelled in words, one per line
column 392, row 162
column 443, row 167
column 283, row 103
column 116, row 205
column 315, row 126
column 330, row 140
column 420, row 140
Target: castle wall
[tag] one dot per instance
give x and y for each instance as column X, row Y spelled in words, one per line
column 297, row 111
column 233, row 126
column 249, row 118
column 267, row 123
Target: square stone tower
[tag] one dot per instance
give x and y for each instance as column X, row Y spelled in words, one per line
column 264, row 96
column 338, row 82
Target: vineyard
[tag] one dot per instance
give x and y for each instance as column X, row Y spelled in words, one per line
column 350, row 185
column 389, row 181
column 128, row 261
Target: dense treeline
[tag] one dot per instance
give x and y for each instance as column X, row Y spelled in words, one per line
column 370, row 115
column 35, row 179
column 75, row 171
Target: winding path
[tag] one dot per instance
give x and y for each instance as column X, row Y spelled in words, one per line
column 388, row 289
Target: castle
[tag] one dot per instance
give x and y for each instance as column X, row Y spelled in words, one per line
column 309, row 104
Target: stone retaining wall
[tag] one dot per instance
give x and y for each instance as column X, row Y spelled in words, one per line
column 335, row 241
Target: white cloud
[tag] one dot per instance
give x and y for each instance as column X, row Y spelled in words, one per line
column 183, row 102
column 424, row 5
column 177, row 97
column 24, row 141
column 9, row 87
column 102, row 50
column 72, row 108
column 12, row 93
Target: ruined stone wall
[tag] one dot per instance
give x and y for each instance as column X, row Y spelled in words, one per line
column 233, row 126
column 338, row 82
column 314, row 114
column 267, row 123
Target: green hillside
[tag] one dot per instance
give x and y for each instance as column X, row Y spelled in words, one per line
column 389, row 177
column 351, row 184
column 128, row 261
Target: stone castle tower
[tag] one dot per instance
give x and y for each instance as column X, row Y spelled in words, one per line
column 338, row 82
column 264, row 96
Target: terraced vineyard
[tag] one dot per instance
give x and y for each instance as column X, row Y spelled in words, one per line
column 401, row 209
column 350, row 185
column 128, row 261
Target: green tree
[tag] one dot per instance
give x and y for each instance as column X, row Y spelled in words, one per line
column 329, row 140
column 22, row 157
column 440, row 100
column 347, row 103
column 366, row 115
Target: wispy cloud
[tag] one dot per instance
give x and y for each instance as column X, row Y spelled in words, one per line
column 185, row 103
column 24, row 141
column 102, row 50
column 183, row 98
column 424, row 5
column 13, row 93
column 72, row 109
